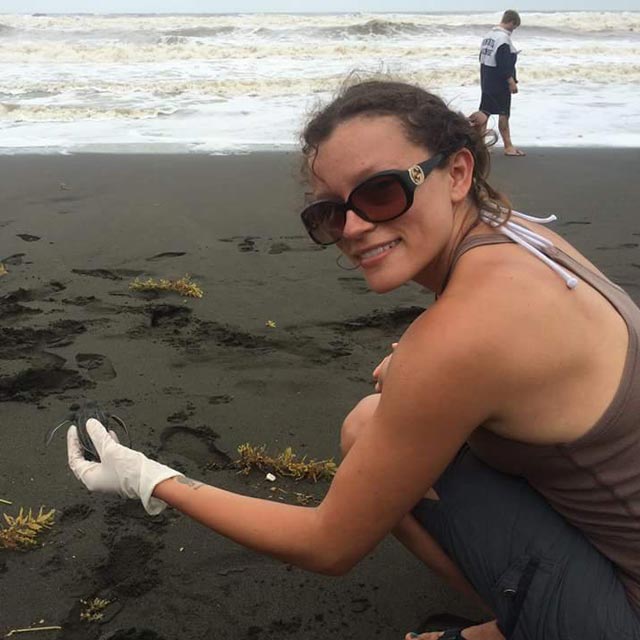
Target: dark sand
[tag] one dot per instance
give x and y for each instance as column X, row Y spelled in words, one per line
column 196, row 378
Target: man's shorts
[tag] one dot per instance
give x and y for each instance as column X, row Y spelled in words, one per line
column 539, row 575
column 496, row 102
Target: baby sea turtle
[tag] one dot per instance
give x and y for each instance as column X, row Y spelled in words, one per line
column 78, row 415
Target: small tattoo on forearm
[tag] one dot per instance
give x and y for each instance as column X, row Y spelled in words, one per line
column 194, row 484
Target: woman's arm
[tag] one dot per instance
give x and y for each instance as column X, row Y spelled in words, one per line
column 284, row 531
column 437, row 390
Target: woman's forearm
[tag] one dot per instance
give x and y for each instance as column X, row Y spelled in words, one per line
column 290, row 533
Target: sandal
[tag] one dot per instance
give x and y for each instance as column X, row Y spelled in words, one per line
column 453, row 634
column 447, row 634
column 451, row 626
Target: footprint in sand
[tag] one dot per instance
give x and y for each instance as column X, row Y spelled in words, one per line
column 294, row 243
column 27, row 237
column 31, row 384
column 98, row 273
column 624, row 245
column 97, row 366
column 166, row 254
column 198, row 444
column 355, row 284
column 15, row 260
column 248, row 244
column 108, row 274
column 279, row 247
column 75, row 513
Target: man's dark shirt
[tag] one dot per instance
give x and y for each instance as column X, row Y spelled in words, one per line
column 494, row 79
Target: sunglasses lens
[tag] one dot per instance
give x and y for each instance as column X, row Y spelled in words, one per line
column 380, row 198
column 324, row 221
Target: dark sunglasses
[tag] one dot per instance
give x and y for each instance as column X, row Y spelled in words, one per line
column 381, row 197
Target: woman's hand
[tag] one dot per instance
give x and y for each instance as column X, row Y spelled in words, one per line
column 121, row 470
column 380, row 371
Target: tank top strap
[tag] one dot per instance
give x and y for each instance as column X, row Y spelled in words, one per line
column 512, row 231
column 595, row 279
column 567, row 267
column 471, row 242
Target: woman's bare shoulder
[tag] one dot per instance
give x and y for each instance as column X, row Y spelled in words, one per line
column 452, row 360
column 493, row 331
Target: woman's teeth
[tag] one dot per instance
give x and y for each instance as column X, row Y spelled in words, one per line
column 378, row 250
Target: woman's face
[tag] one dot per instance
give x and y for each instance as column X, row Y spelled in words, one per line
column 410, row 247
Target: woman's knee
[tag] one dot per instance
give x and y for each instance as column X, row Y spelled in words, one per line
column 356, row 421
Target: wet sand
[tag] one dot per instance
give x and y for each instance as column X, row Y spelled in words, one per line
column 276, row 352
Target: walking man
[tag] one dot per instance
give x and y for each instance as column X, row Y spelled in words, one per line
column 498, row 76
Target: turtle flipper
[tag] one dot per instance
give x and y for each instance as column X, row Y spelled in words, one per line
column 48, row 437
column 79, row 416
column 89, row 409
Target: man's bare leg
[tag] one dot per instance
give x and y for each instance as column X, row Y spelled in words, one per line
column 416, row 539
column 505, row 133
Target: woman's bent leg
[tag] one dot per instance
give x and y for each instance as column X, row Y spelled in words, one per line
column 538, row 574
column 409, row 532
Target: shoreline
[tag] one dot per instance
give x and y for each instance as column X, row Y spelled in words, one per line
column 185, row 149
column 196, row 378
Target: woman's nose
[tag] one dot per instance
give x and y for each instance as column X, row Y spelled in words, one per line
column 354, row 225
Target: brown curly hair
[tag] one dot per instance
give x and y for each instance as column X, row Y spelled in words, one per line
column 427, row 120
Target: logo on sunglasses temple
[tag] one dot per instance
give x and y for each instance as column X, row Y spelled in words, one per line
column 416, row 174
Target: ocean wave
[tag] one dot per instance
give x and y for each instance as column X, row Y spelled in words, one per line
column 574, row 32
column 14, row 112
column 161, row 98
column 174, row 49
column 373, row 27
column 574, row 23
column 202, row 32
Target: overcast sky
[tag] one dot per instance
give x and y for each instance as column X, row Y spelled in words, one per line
column 252, row 6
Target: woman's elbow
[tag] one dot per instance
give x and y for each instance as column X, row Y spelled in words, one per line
column 328, row 550
column 330, row 561
column 335, row 568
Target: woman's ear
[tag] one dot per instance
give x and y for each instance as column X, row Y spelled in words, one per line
column 461, row 167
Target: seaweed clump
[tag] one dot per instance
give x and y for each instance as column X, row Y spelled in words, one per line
column 22, row 532
column 285, row 464
column 184, row 286
column 94, row 609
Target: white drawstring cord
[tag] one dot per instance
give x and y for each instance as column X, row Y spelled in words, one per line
column 530, row 240
column 535, row 238
column 550, row 218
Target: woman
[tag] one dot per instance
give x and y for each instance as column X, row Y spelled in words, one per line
column 502, row 446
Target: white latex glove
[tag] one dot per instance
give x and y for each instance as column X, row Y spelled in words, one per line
column 121, row 470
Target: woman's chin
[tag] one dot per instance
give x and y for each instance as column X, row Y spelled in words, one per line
column 379, row 284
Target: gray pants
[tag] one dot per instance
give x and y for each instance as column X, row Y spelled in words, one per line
column 539, row 575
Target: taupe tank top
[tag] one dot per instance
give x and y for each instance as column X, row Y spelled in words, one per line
column 594, row 481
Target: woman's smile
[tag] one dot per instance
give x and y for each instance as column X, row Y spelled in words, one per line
column 375, row 254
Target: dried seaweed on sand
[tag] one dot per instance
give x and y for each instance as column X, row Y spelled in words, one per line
column 22, row 532
column 284, row 464
column 184, row 286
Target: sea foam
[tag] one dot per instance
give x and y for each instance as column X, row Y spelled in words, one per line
column 225, row 83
